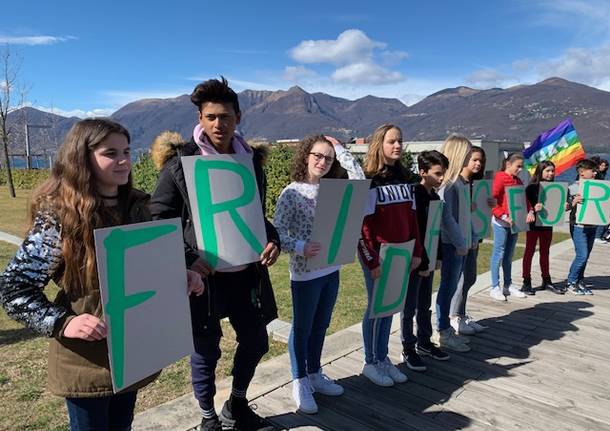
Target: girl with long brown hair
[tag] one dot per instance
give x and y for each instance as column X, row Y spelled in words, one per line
column 89, row 188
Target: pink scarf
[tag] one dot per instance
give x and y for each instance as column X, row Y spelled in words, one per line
column 207, row 148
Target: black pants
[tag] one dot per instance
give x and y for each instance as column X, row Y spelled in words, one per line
column 232, row 296
column 419, row 298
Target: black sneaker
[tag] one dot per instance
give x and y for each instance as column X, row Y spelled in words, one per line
column 575, row 289
column 211, row 424
column 526, row 287
column 584, row 288
column 413, row 360
column 432, row 351
column 237, row 415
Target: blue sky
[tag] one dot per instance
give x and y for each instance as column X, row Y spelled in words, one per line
column 88, row 58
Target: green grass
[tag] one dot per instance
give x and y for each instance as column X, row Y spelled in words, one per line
column 14, row 212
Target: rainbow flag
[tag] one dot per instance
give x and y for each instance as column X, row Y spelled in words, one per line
column 561, row 145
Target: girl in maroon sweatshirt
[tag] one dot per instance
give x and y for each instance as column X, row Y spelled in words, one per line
column 393, row 220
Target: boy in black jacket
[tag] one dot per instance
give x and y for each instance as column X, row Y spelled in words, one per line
column 242, row 294
column 432, row 166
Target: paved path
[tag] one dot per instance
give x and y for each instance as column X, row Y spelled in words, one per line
column 542, row 364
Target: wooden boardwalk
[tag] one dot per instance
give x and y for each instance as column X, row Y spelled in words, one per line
column 543, row 364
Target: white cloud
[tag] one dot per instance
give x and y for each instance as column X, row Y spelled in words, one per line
column 366, row 73
column 120, row 98
column 589, row 66
column 34, row 40
column 489, row 78
column 354, row 55
column 298, row 73
column 350, row 46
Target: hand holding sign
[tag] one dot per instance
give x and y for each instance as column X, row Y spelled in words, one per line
column 194, row 283
column 312, row 248
column 86, row 327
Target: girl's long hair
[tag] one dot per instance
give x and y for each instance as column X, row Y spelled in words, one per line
column 457, row 149
column 375, row 163
column 537, row 177
column 299, row 171
column 70, row 193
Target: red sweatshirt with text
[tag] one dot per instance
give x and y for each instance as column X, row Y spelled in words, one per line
column 394, row 219
column 498, row 191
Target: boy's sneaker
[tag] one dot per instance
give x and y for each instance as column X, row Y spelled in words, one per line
column 237, row 415
column 432, row 351
column 497, row 294
column 575, row 289
column 394, row 373
column 413, row 361
column 599, row 241
column 584, row 288
column 210, row 424
column 474, row 324
column 513, row 291
column 302, row 393
column 526, row 287
column 377, row 373
column 324, row 385
column 448, row 340
column 461, row 327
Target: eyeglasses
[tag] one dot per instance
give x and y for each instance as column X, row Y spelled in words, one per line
column 320, row 156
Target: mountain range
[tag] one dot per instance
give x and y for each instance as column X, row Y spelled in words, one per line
column 515, row 114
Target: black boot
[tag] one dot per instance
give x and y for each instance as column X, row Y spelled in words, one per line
column 527, row 287
column 548, row 284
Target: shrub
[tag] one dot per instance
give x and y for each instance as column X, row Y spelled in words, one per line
column 277, row 169
column 25, row 179
column 144, row 174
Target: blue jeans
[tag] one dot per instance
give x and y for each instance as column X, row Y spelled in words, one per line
column 375, row 332
column 419, row 299
column 312, row 306
column 451, row 269
column 458, row 303
column 113, row 413
column 599, row 231
column 583, row 238
column 502, row 254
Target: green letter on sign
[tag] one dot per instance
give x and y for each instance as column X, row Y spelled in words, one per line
column 116, row 244
column 392, row 252
column 544, row 216
column 588, row 199
column 517, row 212
column 207, row 209
column 434, row 231
column 335, row 241
column 485, row 221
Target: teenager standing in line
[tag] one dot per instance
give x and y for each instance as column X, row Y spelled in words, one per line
column 504, row 238
column 454, row 245
column 314, row 292
column 89, row 188
column 393, row 220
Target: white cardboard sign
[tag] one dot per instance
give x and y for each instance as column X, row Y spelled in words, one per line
column 595, row 208
column 433, row 232
column 226, row 208
column 517, row 208
column 553, row 197
column 337, row 224
column 481, row 217
column 142, row 278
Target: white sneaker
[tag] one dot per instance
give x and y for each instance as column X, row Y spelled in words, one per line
column 395, row 374
column 496, row 293
column 377, row 374
column 461, row 327
column 449, row 341
column 474, row 324
column 324, row 385
column 302, row 392
column 514, row 291
column 599, row 241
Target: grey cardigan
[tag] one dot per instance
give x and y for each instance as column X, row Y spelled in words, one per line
column 451, row 233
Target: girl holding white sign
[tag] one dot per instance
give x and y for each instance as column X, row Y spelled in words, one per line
column 455, row 241
column 545, row 172
column 504, row 238
column 89, row 188
column 393, row 220
column 460, row 321
column 314, row 292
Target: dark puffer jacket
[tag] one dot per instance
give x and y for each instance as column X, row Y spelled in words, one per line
column 170, row 199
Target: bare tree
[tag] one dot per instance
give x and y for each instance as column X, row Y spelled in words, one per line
column 8, row 90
